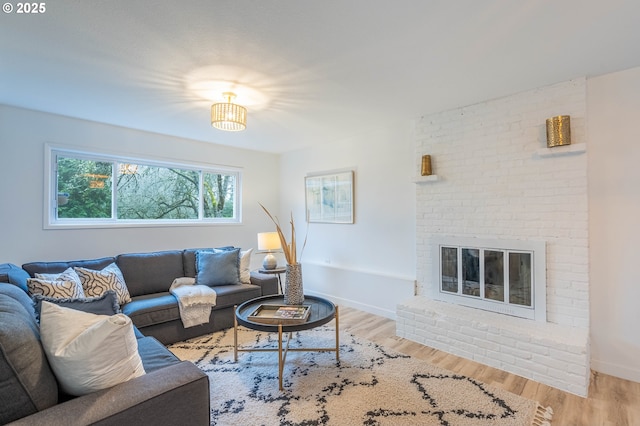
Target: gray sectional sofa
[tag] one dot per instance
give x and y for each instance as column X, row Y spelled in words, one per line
column 171, row 391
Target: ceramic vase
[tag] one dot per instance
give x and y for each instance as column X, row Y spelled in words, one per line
column 293, row 293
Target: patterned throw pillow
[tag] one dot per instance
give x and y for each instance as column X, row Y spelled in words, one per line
column 56, row 285
column 68, row 275
column 95, row 283
column 54, row 288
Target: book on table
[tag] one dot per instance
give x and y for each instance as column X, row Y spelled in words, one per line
column 281, row 314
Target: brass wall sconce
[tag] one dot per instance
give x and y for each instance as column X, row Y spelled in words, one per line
column 425, row 169
column 558, row 131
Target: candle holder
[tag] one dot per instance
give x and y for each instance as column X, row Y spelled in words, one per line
column 558, row 131
column 425, row 169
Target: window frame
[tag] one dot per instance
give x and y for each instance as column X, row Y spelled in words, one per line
column 51, row 220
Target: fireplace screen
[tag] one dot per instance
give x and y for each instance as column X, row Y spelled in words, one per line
column 484, row 274
column 504, row 276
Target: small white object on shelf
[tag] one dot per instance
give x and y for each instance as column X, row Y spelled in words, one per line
column 556, row 151
column 425, row 179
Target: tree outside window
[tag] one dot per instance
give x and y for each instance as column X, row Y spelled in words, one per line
column 97, row 189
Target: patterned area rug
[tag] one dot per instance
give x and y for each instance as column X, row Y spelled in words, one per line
column 370, row 385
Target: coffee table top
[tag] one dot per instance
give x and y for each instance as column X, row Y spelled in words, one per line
column 322, row 311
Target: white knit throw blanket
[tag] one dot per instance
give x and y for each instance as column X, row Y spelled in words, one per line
column 195, row 301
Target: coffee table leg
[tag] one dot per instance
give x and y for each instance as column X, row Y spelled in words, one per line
column 337, row 335
column 280, row 360
column 235, row 334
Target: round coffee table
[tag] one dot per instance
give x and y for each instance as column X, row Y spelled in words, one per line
column 321, row 312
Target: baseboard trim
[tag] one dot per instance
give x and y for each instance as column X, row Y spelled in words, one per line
column 340, row 301
column 616, row 370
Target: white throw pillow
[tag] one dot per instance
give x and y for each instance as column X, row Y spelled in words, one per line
column 95, row 283
column 245, row 264
column 88, row 352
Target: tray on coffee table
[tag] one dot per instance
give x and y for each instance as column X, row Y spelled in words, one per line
column 280, row 314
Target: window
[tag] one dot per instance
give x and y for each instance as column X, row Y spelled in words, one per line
column 94, row 190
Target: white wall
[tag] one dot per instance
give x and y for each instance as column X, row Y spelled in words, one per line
column 355, row 264
column 614, row 211
column 23, row 134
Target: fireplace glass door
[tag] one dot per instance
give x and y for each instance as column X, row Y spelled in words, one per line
column 488, row 274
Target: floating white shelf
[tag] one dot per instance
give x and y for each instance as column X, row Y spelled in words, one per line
column 556, row 151
column 426, row 179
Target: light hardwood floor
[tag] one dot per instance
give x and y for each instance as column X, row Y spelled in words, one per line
column 611, row 401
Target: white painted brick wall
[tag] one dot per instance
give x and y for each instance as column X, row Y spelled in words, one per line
column 552, row 354
column 493, row 184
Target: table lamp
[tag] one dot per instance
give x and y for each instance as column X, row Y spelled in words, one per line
column 269, row 242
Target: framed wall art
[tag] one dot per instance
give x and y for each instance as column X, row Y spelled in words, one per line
column 329, row 197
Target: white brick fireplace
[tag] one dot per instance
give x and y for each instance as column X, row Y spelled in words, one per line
column 496, row 180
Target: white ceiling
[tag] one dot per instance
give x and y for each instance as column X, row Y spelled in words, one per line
column 309, row 71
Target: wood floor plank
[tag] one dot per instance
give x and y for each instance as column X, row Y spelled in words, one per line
column 611, row 401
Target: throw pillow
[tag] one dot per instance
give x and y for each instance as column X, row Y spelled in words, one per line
column 217, row 268
column 95, row 283
column 89, row 352
column 245, row 265
column 68, row 275
column 107, row 304
column 54, row 288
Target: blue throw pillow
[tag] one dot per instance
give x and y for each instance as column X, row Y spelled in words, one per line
column 218, row 268
column 106, row 304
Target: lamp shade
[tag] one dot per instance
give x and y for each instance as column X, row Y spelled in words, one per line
column 268, row 241
column 228, row 116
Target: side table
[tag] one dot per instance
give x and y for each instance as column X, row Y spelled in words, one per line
column 276, row 271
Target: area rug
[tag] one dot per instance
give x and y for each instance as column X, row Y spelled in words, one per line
column 370, row 385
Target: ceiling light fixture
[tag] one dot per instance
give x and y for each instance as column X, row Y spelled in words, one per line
column 228, row 116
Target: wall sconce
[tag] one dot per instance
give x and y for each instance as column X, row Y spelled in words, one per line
column 425, row 169
column 558, row 131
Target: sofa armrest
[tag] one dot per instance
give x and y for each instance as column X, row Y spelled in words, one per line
column 268, row 283
column 175, row 395
column 13, row 274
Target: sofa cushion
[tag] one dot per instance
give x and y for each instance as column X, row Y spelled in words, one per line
column 236, row 294
column 148, row 273
column 107, row 304
column 95, row 283
column 57, row 267
column 218, row 267
column 89, row 352
column 151, row 309
column 27, row 384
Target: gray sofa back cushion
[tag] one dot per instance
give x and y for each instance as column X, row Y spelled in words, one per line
column 27, row 384
column 147, row 273
column 57, row 267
